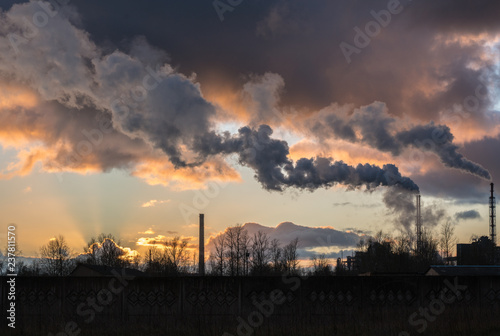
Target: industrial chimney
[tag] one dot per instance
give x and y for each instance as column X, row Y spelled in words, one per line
column 493, row 215
column 418, row 225
column 201, row 265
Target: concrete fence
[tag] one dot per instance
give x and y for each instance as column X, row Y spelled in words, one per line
column 48, row 301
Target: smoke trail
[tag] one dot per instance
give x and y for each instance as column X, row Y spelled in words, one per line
column 160, row 108
column 401, row 204
column 273, row 168
column 439, row 140
column 373, row 126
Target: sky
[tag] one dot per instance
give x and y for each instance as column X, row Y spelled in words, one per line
column 317, row 119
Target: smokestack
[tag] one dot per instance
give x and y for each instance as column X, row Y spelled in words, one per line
column 201, row 265
column 419, row 225
column 493, row 215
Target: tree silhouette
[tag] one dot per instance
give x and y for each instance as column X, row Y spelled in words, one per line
column 56, row 257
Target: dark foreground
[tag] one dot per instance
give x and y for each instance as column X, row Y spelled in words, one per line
column 376, row 305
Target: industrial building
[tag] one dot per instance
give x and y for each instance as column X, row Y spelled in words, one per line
column 484, row 250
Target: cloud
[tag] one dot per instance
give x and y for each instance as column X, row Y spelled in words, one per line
column 27, row 190
column 372, row 126
column 361, row 205
column 94, row 110
column 151, row 241
column 453, row 185
column 104, row 248
column 148, row 232
column 153, row 203
column 466, row 215
column 414, row 84
column 326, row 239
column 170, row 118
column 402, row 205
column 161, row 241
column 341, row 204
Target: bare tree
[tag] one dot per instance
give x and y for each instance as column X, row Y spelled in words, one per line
column 276, row 255
column 219, row 255
column 175, row 255
column 403, row 243
column 236, row 241
column 321, row 265
column 194, row 263
column 111, row 254
column 448, row 239
column 170, row 258
column 56, row 257
column 104, row 250
column 290, row 257
column 428, row 253
column 153, row 260
column 260, row 251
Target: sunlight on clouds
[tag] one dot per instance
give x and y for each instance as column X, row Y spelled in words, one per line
column 148, row 231
column 161, row 241
column 153, row 203
column 48, row 156
column 162, row 172
column 152, row 241
column 15, row 96
column 340, row 150
column 229, row 103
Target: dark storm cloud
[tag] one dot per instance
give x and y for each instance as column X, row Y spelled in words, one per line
column 461, row 15
column 147, row 101
column 300, row 41
column 465, row 215
column 417, row 66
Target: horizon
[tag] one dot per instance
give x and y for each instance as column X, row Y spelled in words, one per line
column 129, row 131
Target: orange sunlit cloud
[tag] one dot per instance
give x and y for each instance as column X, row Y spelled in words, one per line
column 153, row 203
column 465, row 129
column 340, row 150
column 16, row 96
column 162, row 172
column 230, row 103
column 48, row 156
column 148, row 231
column 409, row 162
column 161, row 241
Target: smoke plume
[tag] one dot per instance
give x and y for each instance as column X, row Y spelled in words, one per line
column 373, row 126
column 276, row 171
column 402, row 204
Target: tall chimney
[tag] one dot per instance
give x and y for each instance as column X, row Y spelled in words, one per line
column 419, row 225
column 493, row 215
column 201, row 265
